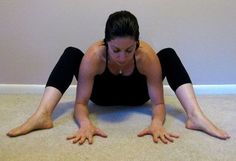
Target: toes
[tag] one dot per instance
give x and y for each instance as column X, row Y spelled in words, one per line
column 225, row 136
column 9, row 134
column 12, row 133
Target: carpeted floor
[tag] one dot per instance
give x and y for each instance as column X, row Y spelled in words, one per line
column 122, row 125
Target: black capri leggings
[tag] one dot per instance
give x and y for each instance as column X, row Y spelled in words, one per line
column 69, row 63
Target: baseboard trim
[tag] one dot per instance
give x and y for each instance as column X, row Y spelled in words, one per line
column 38, row 89
column 226, row 89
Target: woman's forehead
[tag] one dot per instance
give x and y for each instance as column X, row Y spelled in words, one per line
column 122, row 42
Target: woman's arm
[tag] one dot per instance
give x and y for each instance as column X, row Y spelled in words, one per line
column 84, row 88
column 151, row 68
column 88, row 70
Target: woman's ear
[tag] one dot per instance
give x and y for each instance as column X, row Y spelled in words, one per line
column 137, row 44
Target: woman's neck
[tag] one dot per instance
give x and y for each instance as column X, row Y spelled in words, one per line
column 120, row 69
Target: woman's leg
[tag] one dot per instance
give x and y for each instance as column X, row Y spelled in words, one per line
column 180, row 82
column 59, row 80
column 196, row 118
column 41, row 119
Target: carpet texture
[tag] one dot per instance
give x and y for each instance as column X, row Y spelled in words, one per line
column 122, row 125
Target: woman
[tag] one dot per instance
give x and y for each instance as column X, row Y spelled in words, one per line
column 120, row 70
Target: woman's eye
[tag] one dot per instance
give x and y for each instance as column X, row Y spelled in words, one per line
column 115, row 51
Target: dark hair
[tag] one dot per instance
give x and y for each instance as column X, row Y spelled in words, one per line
column 121, row 24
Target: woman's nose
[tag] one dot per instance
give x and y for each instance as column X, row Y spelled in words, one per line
column 121, row 57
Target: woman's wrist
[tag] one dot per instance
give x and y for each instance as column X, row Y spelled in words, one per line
column 84, row 122
column 157, row 121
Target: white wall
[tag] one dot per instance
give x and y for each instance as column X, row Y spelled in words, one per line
column 34, row 34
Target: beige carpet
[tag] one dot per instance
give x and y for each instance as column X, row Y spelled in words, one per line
column 121, row 124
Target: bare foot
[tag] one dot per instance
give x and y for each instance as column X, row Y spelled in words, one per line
column 203, row 124
column 35, row 122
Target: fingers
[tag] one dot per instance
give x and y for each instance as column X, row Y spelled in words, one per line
column 163, row 139
column 156, row 138
column 81, row 137
column 174, row 135
column 75, row 140
column 159, row 136
column 70, row 137
column 82, row 140
column 169, row 138
column 99, row 132
column 144, row 132
column 90, row 139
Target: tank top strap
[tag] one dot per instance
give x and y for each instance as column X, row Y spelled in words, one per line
column 106, row 59
column 135, row 64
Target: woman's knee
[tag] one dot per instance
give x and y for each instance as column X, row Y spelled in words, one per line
column 72, row 52
column 167, row 52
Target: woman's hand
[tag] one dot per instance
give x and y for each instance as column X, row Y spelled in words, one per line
column 86, row 132
column 158, row 133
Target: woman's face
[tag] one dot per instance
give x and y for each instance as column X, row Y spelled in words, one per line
column 121, row 50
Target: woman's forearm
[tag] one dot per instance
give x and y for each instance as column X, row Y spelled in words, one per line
column 158, row 114
column 81, row 114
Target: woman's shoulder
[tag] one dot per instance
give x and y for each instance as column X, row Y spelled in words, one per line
column 96, row 51
column 144, row 46
column 94, row 57
column 145, row 56
column 145, row 51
